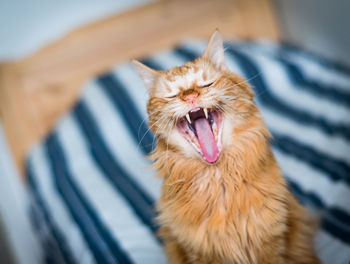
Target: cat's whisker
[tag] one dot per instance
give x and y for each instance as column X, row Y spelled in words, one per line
column 162, row 120
column 253, row 77
column 245, row 81
column 164, row 124
column 145, row 133
column 257, row 95
column 238, row 98
column 161, row 125
column 150, row 114
column 138, row 131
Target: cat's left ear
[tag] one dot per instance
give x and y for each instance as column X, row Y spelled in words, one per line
column 215, row 51
column 148, row 75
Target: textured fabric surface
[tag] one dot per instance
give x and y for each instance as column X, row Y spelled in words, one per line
column 93, row 193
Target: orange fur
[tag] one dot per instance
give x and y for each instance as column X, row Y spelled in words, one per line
column 239, row 209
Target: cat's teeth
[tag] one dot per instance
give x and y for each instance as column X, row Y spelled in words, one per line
column 205, row 112
column 188, row 118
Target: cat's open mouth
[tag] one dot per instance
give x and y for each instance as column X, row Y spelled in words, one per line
column 202, row 127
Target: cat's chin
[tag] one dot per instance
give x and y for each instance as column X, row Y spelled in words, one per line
column 202, row 128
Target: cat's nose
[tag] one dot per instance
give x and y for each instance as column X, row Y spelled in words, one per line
column 191, row 98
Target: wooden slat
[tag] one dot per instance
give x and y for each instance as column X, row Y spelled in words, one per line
column 35, row 91
column 21, row 124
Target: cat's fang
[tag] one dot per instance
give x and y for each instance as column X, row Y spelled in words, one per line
column 205, row 112
column 188, row 118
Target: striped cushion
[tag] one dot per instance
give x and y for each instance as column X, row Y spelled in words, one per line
column 92, row 192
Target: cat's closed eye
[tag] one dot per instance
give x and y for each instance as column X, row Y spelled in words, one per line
column 206, row 85
column 171, row 96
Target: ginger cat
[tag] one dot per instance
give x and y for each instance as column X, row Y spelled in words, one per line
column 223, row 198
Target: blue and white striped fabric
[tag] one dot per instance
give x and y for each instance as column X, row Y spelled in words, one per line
column 93, row 194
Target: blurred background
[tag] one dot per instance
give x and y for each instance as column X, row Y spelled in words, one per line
column 318, row 25
column 33, row 32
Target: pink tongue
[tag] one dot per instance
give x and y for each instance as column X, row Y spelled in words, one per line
column 206, row 140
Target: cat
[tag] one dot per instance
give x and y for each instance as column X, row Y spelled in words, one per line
column 223, row 198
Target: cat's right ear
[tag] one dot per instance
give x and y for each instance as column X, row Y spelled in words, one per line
column 148, row 75
column 215, row 51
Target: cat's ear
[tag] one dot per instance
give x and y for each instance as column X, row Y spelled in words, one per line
column 148, row 75
column 215, row 51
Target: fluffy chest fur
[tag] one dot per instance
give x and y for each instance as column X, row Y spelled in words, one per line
column 219, row 211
